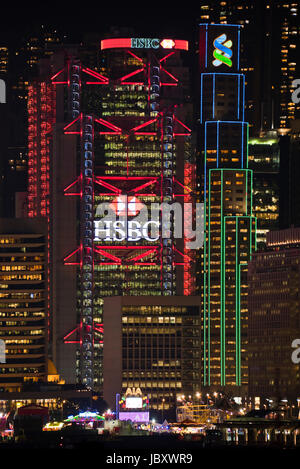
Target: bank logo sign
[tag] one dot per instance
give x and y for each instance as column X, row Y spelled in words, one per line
column 148, row 43
column 128, row 219
column 222, row 52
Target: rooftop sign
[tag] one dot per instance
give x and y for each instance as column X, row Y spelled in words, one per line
column 144, row 43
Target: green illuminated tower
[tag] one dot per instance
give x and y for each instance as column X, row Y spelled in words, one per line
column 230, row 225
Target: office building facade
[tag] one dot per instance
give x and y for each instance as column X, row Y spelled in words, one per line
column 273, row 304
column 264, row 160
column 226, row 182
column 24, row 324
column 115, row 134
column 153, row 343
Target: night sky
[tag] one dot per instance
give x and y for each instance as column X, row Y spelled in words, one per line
column 148, row 19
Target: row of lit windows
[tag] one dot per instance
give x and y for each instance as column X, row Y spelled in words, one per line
column 154, row 320
column 8, row 268
column 20, row 277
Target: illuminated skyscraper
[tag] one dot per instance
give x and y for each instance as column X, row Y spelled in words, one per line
column 273, row 302
column 270, row 41
column 226, row 183
column 289, row 178
column 154, row 345
column 23, row 313
column 116, row 133
column 264, row 160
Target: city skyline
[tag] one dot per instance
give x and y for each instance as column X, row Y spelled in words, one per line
column 127, row 117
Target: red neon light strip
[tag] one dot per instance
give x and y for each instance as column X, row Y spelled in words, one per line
column 95, row 83
column 181, row 44
column 125, row 178
column 72, row 184
column 135, row 56
column 131, row 74
column 95, row 75
column 108, row 124
column 71, row 123
column 145, row 263
column 134, row 83
column 166, row 56
column 110, row 256
column 170, row 75
column 58, row 73
column 110, row 133
column 143, row 125
column 68, row 335
column 115, row 43
column 124, row 247
column 72, row 253
column 169, row 84
column 183, row 125
column 140, row 256
column 109, row 186
column 184, row 187
column 183, row 255
column 144, row 185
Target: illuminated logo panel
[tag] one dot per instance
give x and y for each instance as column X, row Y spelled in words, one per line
column 134, row 402
column 124, row 205
column 222, row 52
column 144, row 43
column 219, row 48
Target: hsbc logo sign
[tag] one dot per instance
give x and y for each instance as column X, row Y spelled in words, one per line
column 148, row 43
column 127, row 218
column 144, row 43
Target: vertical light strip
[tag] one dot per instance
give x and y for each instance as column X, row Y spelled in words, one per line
column 246, row 198
column 201, row 99
column 218, row 141
column 208, row 282
column 236, row 305
column 222, row 288
column 204, row 287
column 243, row 98
column 239, row 92
column 247, row 146
column 214, row 91
column 242, row 155
column 238, row 51
column 206, row 33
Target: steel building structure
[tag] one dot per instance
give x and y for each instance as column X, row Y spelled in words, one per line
column 227, row 195
column 116, row 134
